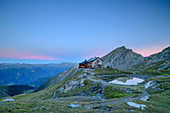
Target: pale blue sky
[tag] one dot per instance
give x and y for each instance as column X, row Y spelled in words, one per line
column 73, row 30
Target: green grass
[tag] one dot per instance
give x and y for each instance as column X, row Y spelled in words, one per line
column 158, row 79
column 158, row 103
column 43, row 94
column 108, row 71
column 164, row 83
column 155, row 72
column 111, row 93
column 152, row 69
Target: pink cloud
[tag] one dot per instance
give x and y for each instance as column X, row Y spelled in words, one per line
column 147, row 51
column 24, row 55
column 39, row 57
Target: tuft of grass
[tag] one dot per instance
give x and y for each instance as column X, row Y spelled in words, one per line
column 87, row 81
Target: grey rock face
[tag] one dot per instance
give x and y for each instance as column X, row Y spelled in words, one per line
column 71, row 85
column 153, row 86
column 165, row 65
column 164, row 54
column 121, row 58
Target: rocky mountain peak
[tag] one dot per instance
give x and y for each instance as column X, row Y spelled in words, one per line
column 121, row 58
column 122, row 47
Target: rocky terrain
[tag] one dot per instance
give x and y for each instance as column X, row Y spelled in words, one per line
column 121, row 58
column 90, row 91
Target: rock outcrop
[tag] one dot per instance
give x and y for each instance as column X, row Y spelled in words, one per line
column 153, row 86
column 72, row 85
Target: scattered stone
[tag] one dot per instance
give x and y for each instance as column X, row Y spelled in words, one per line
column 136, row 105
column 145, row 98
column 132, row 110
column 74, row 105
column 148, row 84
column 8, row 100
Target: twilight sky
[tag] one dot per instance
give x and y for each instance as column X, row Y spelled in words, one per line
column 50, row 31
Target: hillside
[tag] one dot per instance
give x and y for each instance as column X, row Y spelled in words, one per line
column 91, row 91
column 58, row 78
column 158, row 64
column 21, row 74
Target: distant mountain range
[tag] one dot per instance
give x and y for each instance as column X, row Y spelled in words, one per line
column 22, row 74
column 127, row 60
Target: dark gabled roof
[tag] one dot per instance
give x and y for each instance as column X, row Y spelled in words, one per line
column 90, row 60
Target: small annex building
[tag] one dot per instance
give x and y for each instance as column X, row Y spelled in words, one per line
column 95, row 62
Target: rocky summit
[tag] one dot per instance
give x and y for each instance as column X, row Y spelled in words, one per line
column 121, row 58
column 127, row 60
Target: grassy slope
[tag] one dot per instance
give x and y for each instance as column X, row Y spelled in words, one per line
column 33, row 102
column 56, row 79
column 108, row 71
column 152, row 69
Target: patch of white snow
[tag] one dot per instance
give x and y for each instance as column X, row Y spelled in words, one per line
column 74, row 105
column 133, row 81
column 147, row 85
column 8, row 100
column 145, row 98
column 136, row 105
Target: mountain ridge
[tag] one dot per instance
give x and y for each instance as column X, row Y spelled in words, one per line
column 22, row 74
column 121, row 58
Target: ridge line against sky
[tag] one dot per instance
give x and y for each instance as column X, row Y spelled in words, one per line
column 63, row 30
column 47, row 59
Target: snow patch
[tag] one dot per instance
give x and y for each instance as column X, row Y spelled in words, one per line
column 8, row 100
column 136, row 105
column 145, row 98
column 147, row 85
column 74, row 105
column 133, row 81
